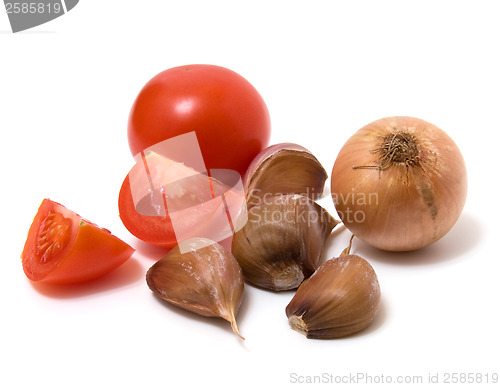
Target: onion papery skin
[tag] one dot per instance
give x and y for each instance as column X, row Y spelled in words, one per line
column 408, row 199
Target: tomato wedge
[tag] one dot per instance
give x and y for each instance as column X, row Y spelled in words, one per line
column 64, row 248
column 164, row 202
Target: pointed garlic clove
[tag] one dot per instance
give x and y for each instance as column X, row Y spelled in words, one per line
column 284, row 168
column 282, row 240
column 339, row 299
column 201, row 276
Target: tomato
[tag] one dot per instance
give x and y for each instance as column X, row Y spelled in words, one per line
column 227, row 113
column 159, row 193
column 64, row 248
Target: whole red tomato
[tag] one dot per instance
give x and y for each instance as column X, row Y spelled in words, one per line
column 227, row 113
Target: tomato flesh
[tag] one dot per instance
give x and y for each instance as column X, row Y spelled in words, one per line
column 64, row 248
column 164, row 202
column 53, row 236
column 157, row 230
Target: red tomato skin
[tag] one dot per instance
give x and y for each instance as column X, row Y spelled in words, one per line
column 90, row 252
column 229, row 116
column 157, row 230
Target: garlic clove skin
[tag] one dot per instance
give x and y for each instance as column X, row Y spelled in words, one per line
column 284, row 168
column 341, row 298
column 281, row 243
column 201, row 276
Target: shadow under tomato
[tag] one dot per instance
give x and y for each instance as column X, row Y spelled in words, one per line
column 462, row 238
column 149, row 250
column 127, row 274
column 154, row 252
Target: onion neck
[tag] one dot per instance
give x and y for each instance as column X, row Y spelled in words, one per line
column 398, row 147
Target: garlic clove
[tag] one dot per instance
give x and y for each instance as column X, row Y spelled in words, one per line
column 281, row 243
column 201, row 276
column 339, row 299
column 284, row 168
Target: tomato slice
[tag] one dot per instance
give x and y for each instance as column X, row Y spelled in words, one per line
column 164, row 202
column 64, row 248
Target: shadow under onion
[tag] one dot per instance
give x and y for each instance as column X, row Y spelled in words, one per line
column 462, row 238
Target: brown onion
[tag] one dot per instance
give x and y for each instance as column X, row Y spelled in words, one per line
column 399, row 183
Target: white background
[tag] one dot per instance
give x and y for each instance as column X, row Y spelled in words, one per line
column 325, row 69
